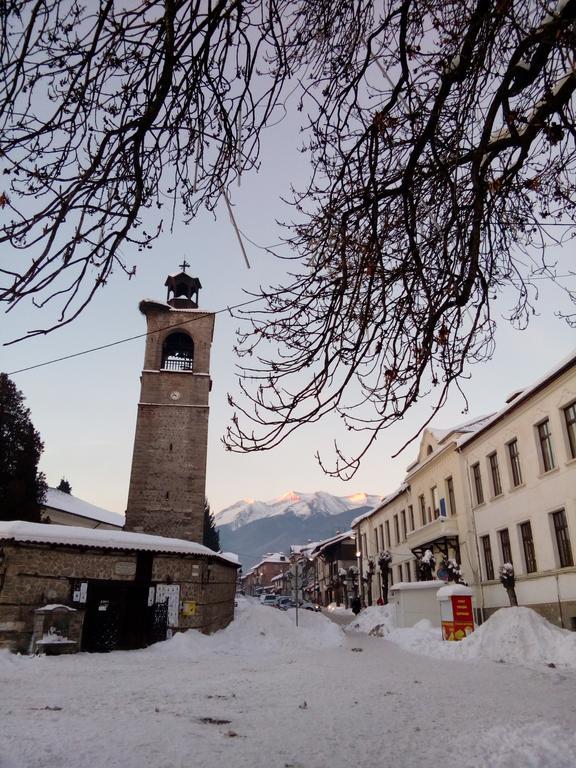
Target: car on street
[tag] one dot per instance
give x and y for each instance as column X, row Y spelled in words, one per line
column 268, row 599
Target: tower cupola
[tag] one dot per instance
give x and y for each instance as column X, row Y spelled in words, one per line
column 182, row 289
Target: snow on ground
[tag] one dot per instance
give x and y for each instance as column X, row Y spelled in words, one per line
column 512, row 635
column 258, row 630
column 262, row 694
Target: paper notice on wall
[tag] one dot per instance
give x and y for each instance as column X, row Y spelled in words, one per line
column 83, row 591
column 171, row 593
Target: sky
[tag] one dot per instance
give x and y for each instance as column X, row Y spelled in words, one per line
column 85, row 407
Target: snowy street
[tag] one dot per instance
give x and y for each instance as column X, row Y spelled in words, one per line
column 263, row 694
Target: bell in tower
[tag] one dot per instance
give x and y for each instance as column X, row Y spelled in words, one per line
column 168, row 477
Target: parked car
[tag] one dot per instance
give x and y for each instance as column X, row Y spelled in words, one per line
column 268, row 599
column 284, row 603
column 308, row 606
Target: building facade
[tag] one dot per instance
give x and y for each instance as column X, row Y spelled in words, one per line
column 521, row 485
column 499, row 489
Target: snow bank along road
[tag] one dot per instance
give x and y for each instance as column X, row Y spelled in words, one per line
column 262, row 694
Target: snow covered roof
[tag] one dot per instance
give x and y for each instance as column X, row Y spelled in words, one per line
column 65, row 502
column 385, row 500
column 512, row 403
column 442, row 435
column 322, row 545
column 273, row 557
column 74, row 536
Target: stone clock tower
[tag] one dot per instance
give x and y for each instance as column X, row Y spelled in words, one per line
column 167, row 483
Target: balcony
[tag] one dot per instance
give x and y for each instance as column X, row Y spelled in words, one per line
column 440, row 528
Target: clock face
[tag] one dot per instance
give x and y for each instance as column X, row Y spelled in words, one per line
column 175, row 395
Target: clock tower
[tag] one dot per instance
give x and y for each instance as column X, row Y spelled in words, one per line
column 168, row 478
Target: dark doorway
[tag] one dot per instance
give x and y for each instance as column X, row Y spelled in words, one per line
column 118, row 617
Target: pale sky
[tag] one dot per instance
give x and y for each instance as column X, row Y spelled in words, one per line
column 85, row 408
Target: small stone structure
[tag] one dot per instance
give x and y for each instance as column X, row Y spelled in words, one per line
column 57, row 630
column 127, row 590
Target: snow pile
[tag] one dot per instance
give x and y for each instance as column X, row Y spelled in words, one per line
column 512, row 635
column 257, row 630
column 521, row 636
column 8, row 660
column 377, row 620
column 423, row 638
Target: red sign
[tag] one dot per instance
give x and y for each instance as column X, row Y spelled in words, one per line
column 462, row 609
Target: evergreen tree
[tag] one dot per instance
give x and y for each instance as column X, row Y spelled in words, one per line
column 22, row 486
column 211, row 537
column 64, row 486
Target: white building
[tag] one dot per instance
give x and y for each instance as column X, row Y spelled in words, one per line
column 497, row 489
column 521, row 472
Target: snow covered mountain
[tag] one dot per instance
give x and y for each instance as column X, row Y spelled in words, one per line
column 299, row 504
column 253, row 528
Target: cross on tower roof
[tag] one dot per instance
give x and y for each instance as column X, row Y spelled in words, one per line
column 184, row 265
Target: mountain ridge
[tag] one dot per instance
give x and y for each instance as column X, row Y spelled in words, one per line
column 253, row 528
column 302, row 505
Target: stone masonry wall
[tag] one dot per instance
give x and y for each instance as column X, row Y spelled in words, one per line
column 34, row 575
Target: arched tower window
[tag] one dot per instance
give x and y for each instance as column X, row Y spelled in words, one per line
column 177, row 353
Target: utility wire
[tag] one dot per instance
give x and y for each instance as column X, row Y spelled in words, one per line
column 132, row 338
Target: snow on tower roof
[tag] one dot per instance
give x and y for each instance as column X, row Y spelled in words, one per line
column 98, row 538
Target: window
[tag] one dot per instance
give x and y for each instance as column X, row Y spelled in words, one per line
column 403, row 520
column 396, row 530
column 435, row 504
column 495, row 474
column 382, row 545
column 570, row 416
column 177, row 352
column 477, row 480
column 505, row 548
column 514, row 455
column 545, row 439
column 407, row 572
column 422, row 501
column 400, row 577
column 387, row 524
column 411, row 517
column 364, row 548
column 450, row 494
column 528, row 547
column 562, row 539
column 488, row 564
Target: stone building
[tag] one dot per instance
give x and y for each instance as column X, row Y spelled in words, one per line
column 126, row 589
column 167, row 483
column 73, row 587
column 260, row 577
